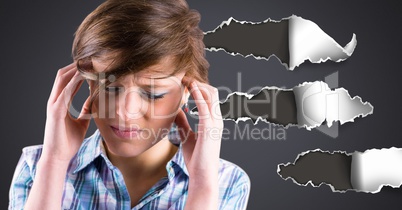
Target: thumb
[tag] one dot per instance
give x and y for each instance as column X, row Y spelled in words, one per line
column 85, row 113
column 184, row 128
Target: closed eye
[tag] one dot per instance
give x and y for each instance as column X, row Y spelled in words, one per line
column 114, row 89
column 147, row 94
column 152, row 96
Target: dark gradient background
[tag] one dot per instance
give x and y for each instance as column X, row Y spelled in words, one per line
column 36, row 38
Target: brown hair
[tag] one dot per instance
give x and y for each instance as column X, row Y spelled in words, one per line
column 138, row 34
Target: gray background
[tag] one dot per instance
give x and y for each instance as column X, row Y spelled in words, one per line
column 36, row 38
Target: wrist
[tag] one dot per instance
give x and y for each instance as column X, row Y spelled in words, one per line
column 202, row 196
column 53, row 163
column 205, row 185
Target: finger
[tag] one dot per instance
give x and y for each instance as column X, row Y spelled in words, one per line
column 60, row 72
column 182, row 122
column 203, row 110
column 215, row 106
column 76, row 87
column 187, row 136
column 66, row 96
column 211, row 96
column 205, row 91
column 186, row 81
column 80, row 82
column 85, row 110
column 62, row 78
column 186, row 133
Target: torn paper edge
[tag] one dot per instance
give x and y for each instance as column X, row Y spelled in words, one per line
column 357, row 155
column 249, row 96
column 299, row 29
column 308, row 127
column 294, row 46
column 278, row 170
column 329, row 123
column 227, row 23
column 380, row 186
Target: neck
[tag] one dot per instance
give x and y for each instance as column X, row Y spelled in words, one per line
column 150, row 163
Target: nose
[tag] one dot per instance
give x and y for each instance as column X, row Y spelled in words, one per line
column 131, row 106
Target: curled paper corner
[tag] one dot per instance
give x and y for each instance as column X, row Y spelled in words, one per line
column 375, row 168
column 307, row 41
column 366, row 172
column 292, row 40
column 310, row 162
column 317, row 103
column 308, row 105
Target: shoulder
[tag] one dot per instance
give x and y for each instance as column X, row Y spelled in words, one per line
column 31, row 151
column 26, row 165
column 88, row 151
column 232, row 174
column 30, row 156
column 234, row 186
column 23, row 176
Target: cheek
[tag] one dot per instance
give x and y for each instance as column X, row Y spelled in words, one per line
column 163, row 110
column 96, row 116
column 104, row 107
column 96, row 109
column 160, row 123
column 167, row 107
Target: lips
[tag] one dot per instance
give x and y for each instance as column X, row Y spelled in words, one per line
column 126, row 133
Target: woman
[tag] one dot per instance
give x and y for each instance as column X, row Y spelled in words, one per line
column 142, row 60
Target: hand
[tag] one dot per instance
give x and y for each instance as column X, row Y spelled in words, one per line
column 201, row 150
column 63, row 133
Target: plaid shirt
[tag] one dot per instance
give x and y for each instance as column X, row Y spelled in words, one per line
column 92, row 182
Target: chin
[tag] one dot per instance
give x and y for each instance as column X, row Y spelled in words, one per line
column 130, row 148
column 125, row 152
column 123, row 147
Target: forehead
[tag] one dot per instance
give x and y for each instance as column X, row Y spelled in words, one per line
column 158, row 74
column 162, row 69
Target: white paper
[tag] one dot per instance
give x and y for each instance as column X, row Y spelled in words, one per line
column 369, row 171
column 317, row 103
column 307, row 41
column 376, row 168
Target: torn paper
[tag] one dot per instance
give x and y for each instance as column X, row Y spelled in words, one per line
column 317, row 167
column 365, row 171
column 373, row 169
column 307, row 105
column 317, row 103
column 292, row 40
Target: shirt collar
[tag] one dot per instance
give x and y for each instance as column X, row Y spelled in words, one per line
column 177, row 162
column 92, row 148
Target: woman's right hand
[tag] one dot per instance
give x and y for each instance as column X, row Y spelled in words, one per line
column 63, row 133
column 63, row 137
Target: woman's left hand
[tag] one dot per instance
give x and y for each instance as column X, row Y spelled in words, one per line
column 201, row 149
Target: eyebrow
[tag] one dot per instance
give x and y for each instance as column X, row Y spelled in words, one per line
column 161, row 77
column 153, row 85
column 158, row 78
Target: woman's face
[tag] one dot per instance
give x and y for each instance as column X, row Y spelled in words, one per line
column 137, row 111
